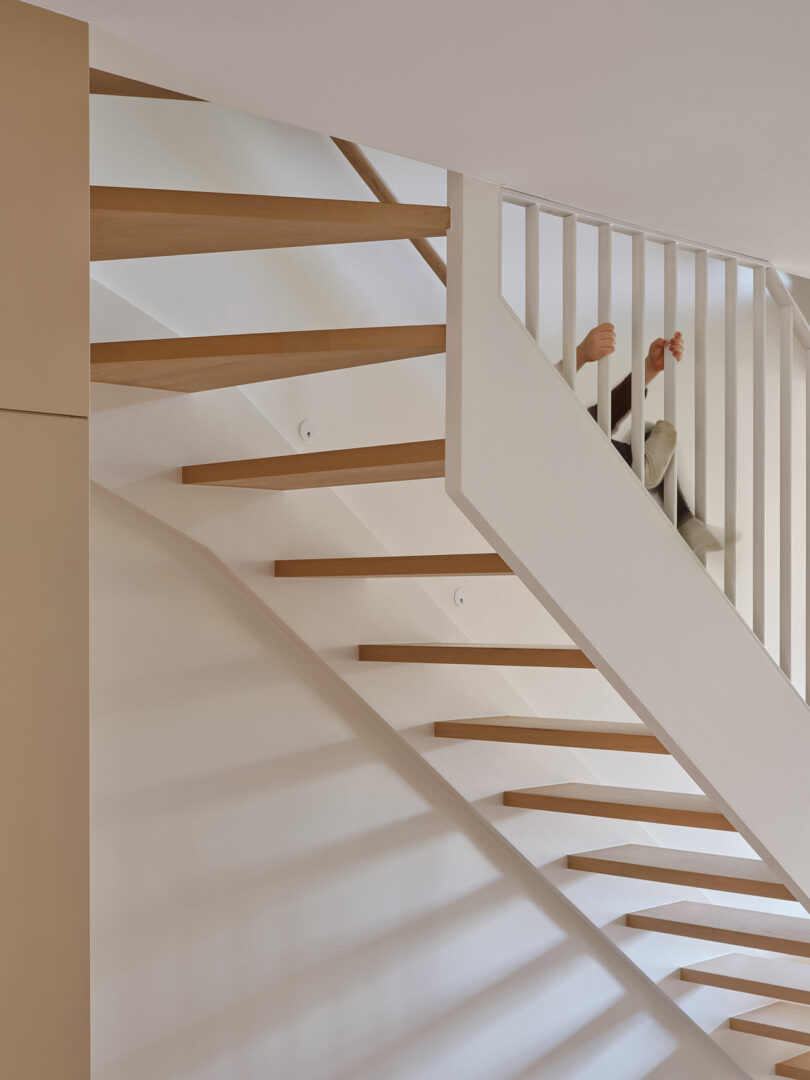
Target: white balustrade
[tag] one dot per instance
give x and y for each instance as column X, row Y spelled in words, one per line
column 729, row 471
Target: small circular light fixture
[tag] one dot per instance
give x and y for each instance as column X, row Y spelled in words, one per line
column 307, row 431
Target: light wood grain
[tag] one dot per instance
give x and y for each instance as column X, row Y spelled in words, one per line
column 43, row 213
column 582, row 734
column 486, row 563
column 132, row 223
column 105, row 82
column 208, row 363
column 750, row 877
column 44, row 550
column 764, row 976
column 44, row 674
column 733, row 926
column 327, row 468
column 783, row 1020
column 797, row 1068
column 503, row 655
column 629, row 804
column 372, row 179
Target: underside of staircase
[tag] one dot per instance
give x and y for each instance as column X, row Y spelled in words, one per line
column 132, row 223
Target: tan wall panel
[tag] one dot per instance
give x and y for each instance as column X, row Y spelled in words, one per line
column 44, row 903
column 44, row 209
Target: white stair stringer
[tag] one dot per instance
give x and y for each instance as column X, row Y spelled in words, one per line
column 535, row 475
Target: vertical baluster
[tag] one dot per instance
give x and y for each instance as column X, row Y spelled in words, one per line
column 785, row 516
column 730, row 556
column 758, row 449
column 701, row 310
column 532, row 273
column 605, row 304
column 569, row 297
column 670, row 373
column 638, row 382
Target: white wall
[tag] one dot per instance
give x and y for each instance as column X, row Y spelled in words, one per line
column 279, row 890
column 140, row 438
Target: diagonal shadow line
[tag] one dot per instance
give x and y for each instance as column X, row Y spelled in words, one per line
column 413, row 769
column 147, row 931
column 583, row 1045
column 504, row 994
column 240, row 782
column 257, row 1015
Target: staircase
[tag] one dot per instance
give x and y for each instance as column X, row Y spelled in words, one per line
column 128, row 223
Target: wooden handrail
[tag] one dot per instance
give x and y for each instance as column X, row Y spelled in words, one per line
column 369, row 175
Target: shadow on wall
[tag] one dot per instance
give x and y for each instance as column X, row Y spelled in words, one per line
column 276, row 893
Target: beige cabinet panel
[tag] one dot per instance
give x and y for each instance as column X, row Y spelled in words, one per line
column 44, row 976
column 44, row 211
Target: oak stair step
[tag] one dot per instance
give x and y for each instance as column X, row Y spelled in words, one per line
column 499, row 655
column 782, row 1020
column 697, row 869
column 135, row 223
column 732, row 926
column 485, row 563
column 797, row 1068
column 105, row 82
column 787, row 980
column 209, row 363
column 629, row 804
column 581, row 734
column 326, row 468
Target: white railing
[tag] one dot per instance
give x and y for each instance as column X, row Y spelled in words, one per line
column 534, row 474
column 565, row 270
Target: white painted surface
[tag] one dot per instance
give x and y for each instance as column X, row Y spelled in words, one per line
column 671, row 614
column 758, row 455
column 639, row 350
column 785, row 487
column 604, row 314
column 140, row 438
column 569, row 299
column 730, row 431
column 282, row 889
column 736, row 453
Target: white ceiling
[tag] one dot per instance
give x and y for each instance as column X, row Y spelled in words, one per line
column 687, row 116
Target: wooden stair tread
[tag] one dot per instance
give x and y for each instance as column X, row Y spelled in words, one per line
column 584, row 734
column 752, row 877
column 733, row 926
column 782, row 1020
column 105, row 82
column 797, row 1068
column 766, row 976
column 466, row 653
column 208, row 363
column 134, row 223
column 327, row 468
column 629, row 804
column 394, row 566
